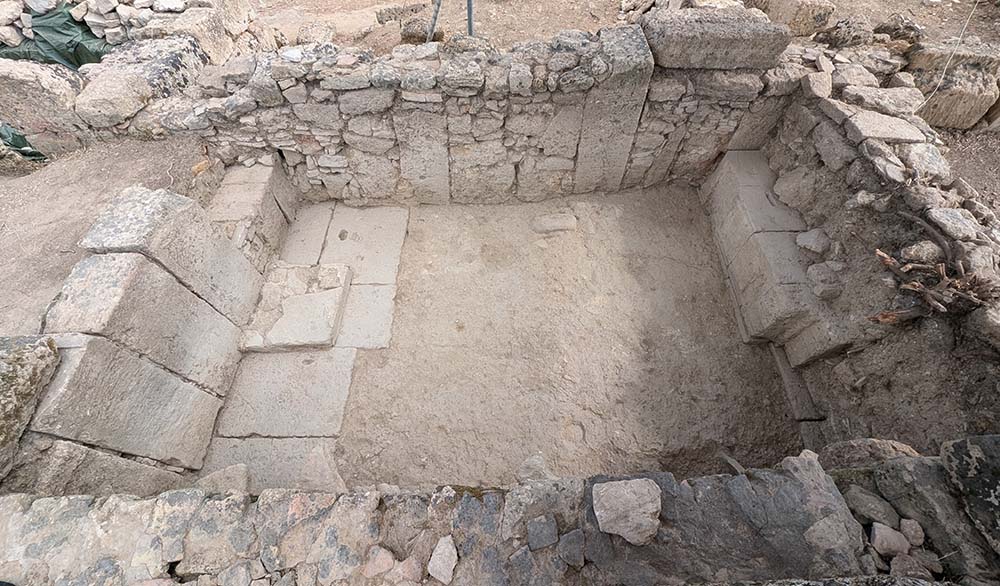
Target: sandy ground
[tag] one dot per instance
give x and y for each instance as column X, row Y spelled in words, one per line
column 941, row 20
column 44, row 215
column 611, row 348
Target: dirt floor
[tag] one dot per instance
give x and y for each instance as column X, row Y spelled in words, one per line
column 44, row 215
column 611, row 348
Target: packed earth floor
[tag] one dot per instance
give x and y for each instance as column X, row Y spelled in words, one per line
column 595, row 332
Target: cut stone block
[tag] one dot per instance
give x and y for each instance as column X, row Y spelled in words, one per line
column 307, row 234
column 176, row 232
column 611, row 113
column 423, row 155
column 49, row 467
column 969, row 86
column 731, row 38
column 369, row 240
column 368, row 317
column 134, row 302
column 293, row 394
column 110, row 397
column 276, row 181
column 300, row 463
column 249, row 215
column 867, row 124
column 300, row 306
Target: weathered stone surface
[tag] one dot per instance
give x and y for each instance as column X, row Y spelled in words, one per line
column 858, row 453
column 968, row 87
column 247, row 211
column 973, row 467
column 611, row 112
column 26, row 367
column 926, row 163
column 38, row 99
column 728, row 521
column 219, row 532
column 901, row 101
column 868, row 124
column 144, row 410
column 49, row 467
column 913, row 532
column 481, row 173
column 368, row 315
column 918, row 489
column 369, row 240
column 853, row 74
column 629, row 508
column 235, row 478
column 803, row 17
column 298, row 463
column 714, row 39
column 817, row 85
column 542, row 532
column 832, row 147
column 957, row 223
column 423, row 155
column 176, row 232
column 290, row 394
column 869, row 507
column 442, row 563
column 134, row 302
column 984, row 323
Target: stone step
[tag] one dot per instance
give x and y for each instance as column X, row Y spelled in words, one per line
column 254, row 207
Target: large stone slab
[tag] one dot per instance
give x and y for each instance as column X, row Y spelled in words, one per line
column 292, row 394
column 26, row 366
column 50, row 467
column 918, row 489
column 302, row 463
column 612, row 110
column 868, row 124
column 729, row 38
column 176, row 232
column 107, row 396
column 368, row 317
column 369, row 240
column 423, row 155
column 973, row 466
column 134, row 302
column 803, row 17
column 959, row 80
column 307, row 234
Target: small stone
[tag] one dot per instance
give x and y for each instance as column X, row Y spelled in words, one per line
column 169, row 5
column 867, row 124
column 817, row 85
column 629, row 508
column 852, row 74
column 887, row 541
column 443, row 560
column 559, row 222
column 959, row 224
column 814, row 240
column 902, row 79
column 913, row 532
column 380, row 561
column 825, row 283
column 542, row 532
column 926, row 162
column 570, row 548
column 924, row 252
column 928, row 559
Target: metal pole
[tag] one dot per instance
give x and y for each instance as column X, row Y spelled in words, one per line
column 434, row 20
column 468, row 11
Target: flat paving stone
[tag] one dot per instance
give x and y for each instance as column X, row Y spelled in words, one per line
column 367, row 321
column 306, row 235
column 289, row 394
column 369, row 240
column 300, row 463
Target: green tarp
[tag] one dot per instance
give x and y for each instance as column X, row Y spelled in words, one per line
column 59, row 39
column 16, row 141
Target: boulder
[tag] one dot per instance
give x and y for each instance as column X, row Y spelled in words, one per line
column 870, row 508
column 26, row 367
column 803, row 17
column 39, row 99
column 960, row 81
column 731, row 38
column 887, row 541
column 629, row 508
column 973, row 466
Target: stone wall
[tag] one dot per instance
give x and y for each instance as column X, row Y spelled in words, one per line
column 436, row 123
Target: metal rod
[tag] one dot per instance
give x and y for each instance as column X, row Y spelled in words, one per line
column 434, row 20
column 468, row 12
